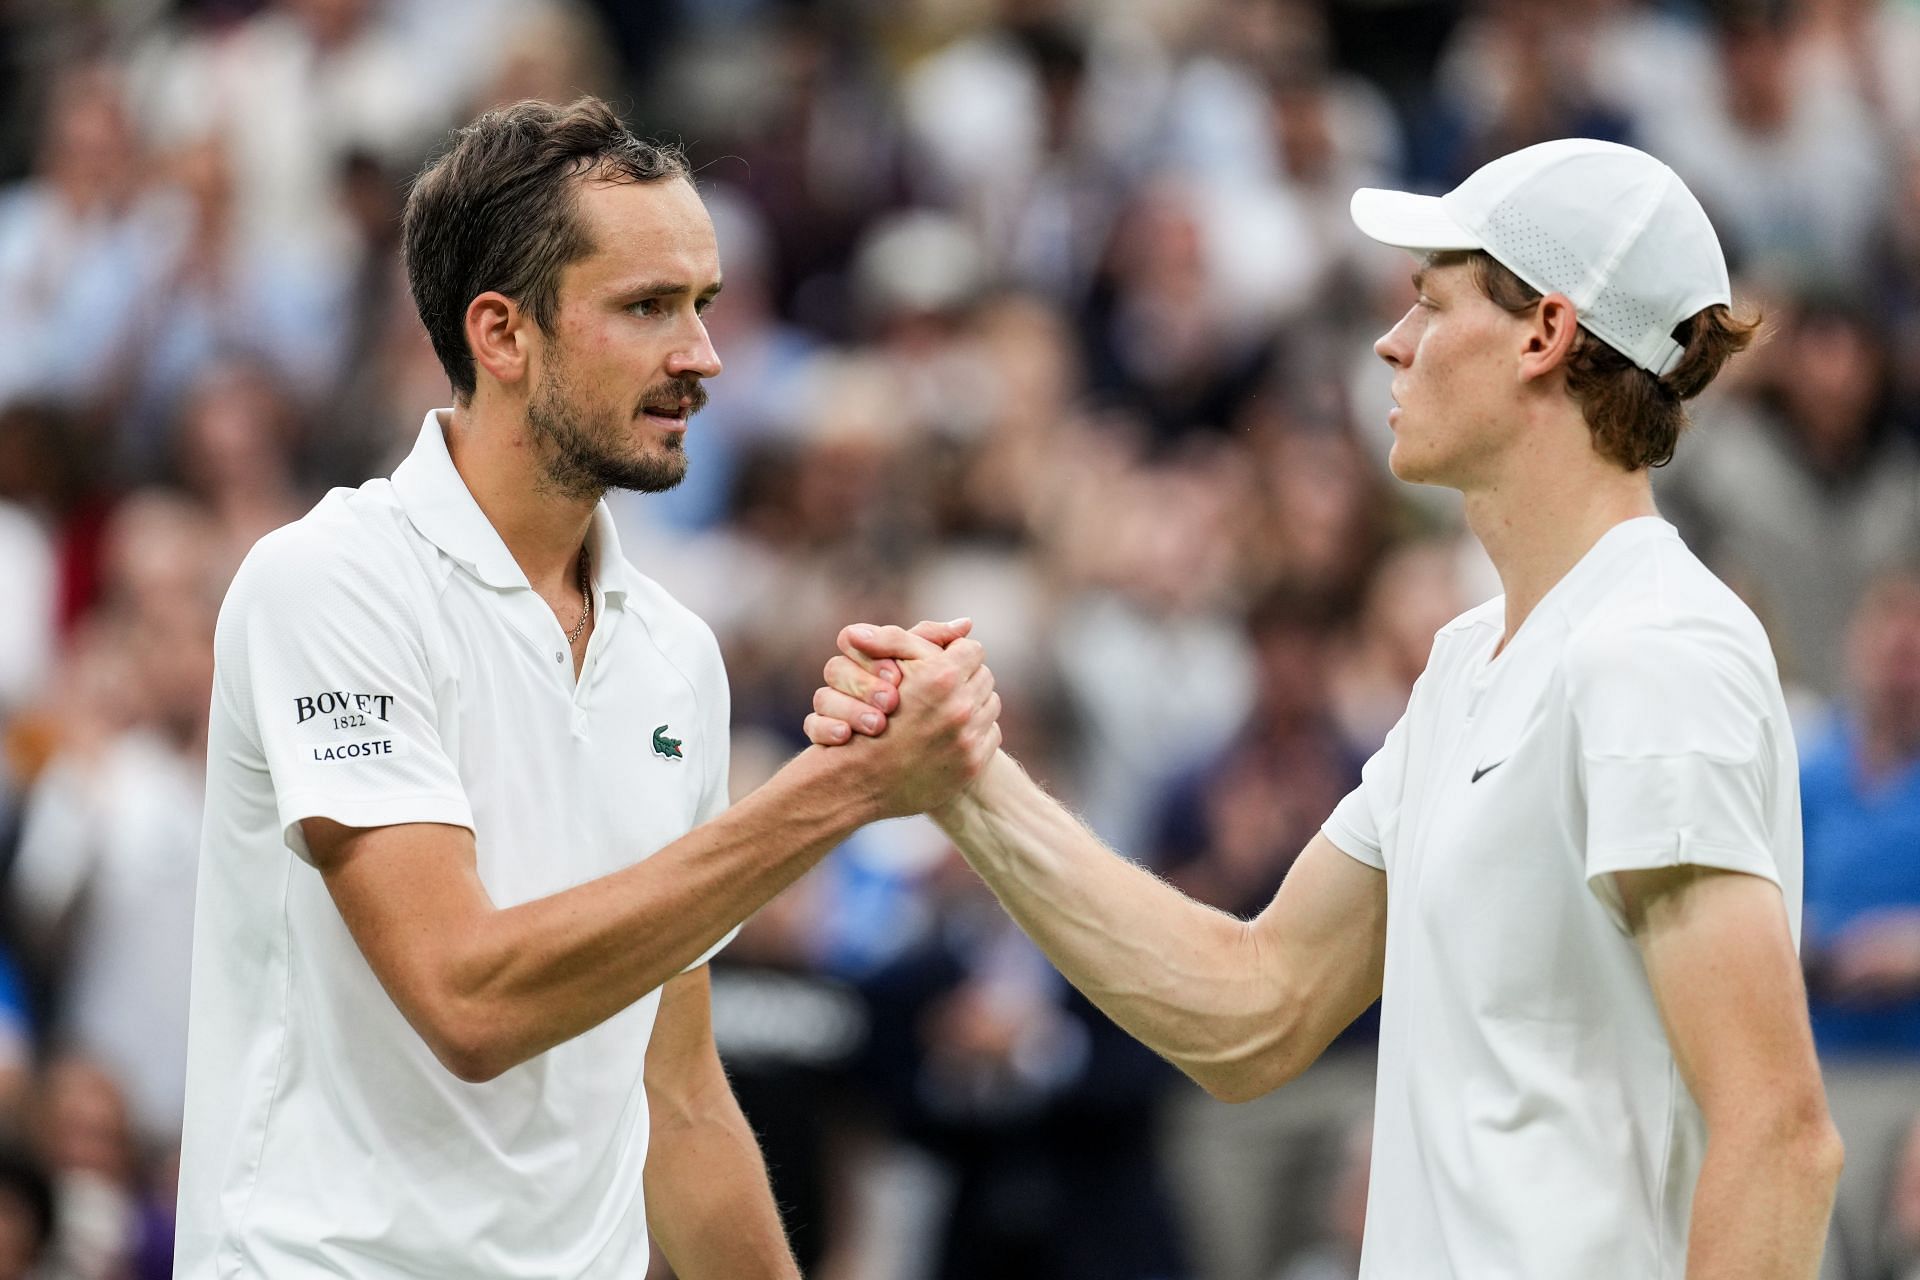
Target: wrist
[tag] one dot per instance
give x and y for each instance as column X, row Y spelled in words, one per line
column 834, row 779
column 975, row 798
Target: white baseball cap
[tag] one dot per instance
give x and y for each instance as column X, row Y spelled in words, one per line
column 1610, row 227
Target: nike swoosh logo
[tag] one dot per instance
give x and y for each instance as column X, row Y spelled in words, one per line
column 1484, row 770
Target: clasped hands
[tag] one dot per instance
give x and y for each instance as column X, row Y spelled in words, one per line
column 919, row 704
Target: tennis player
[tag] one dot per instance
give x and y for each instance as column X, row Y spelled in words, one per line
column 1573, row 870
column 467, row 843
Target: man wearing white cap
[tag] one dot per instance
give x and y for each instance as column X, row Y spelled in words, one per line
column 1573, row 870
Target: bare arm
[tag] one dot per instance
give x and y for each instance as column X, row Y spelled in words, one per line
column 1240, row 1007
column 488, row 988
column 1721, row 962
column 708, row 1200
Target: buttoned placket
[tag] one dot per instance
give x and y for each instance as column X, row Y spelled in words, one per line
column 605, row 620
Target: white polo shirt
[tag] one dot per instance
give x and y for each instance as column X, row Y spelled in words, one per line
column 1531, row 1123
column 384, row 661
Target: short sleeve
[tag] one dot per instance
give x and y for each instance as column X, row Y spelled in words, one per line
column 1673, row 745
column 323, row 659
column 1359, row 822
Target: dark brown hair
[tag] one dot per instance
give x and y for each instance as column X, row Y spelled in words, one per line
column 1636, row 416
column 497, row 211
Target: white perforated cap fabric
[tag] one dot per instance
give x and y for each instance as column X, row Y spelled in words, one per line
column 1610, row 227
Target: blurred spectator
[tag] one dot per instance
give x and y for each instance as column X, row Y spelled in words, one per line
column 1800, row 497
column 1038, row 1107
column 26, row 1216
column 1899, row 1244
column 1861, row 800
column 284, row 97
column 229, row 292
column 106, row 1225
column 1337, row 1257
column 1519, row 72
column 81, row 247
column 51, row 468
column 1417, row 590
column 28, row 584
column 1171, row 324
column 1229, row 830
column 234, row 452
column 104, row 876
column 1792, row 167
column 1151, row 657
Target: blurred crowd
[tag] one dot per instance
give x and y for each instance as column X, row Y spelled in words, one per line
column 1046, row 312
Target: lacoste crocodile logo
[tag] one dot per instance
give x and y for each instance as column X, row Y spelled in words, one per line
column 665, row 746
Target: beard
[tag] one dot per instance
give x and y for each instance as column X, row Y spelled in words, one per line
column 585, row 451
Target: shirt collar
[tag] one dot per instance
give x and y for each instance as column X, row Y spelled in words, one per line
column 442, row 508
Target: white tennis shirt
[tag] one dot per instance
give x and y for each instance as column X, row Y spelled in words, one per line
column 1531, row 1123
column 384, row 661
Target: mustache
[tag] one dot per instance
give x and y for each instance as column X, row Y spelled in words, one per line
column 668, row 395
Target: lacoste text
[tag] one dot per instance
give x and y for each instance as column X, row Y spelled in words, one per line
column 354, row 750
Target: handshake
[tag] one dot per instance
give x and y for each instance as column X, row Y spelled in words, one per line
column 913, row 712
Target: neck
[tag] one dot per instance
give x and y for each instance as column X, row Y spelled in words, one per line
column 543, row 530
column 1545, row 510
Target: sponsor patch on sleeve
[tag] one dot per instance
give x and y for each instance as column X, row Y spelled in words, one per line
column 370, row 749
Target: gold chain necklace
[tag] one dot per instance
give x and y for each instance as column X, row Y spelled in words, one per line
column 586, row 601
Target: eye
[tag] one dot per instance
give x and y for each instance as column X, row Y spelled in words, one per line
column 646, row 307
column 1424, row 301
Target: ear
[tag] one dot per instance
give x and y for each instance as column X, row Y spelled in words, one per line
column 1551, row 331
column 500, row 335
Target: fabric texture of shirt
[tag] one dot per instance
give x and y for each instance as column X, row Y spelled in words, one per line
column 384, row 661
column 1531, row 1121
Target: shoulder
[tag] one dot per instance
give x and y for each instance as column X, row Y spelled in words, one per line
column 353, row 543
column 1671, row 686
column 349, row 566
column 1670, row 621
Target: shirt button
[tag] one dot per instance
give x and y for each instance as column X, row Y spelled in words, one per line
column 559, row 657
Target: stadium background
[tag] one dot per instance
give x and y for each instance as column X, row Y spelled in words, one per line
column 1040, row 311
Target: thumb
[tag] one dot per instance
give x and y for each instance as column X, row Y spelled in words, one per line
column 864, row 643
column 943, row 633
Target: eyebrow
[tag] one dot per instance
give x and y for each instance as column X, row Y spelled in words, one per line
column 1420, row 280
column 667, row 289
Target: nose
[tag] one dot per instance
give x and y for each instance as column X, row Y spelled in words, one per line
column 697, row 356
column 1395, row 346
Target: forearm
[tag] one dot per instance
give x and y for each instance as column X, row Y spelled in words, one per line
column 709, row 1203
column 532, row 976
column 1189, row 982
column 1761, row 1207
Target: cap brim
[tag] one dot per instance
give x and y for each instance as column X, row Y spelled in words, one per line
column 1408, row 221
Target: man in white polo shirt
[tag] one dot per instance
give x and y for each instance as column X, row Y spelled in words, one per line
column 1573, row 870
column 467, row 843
